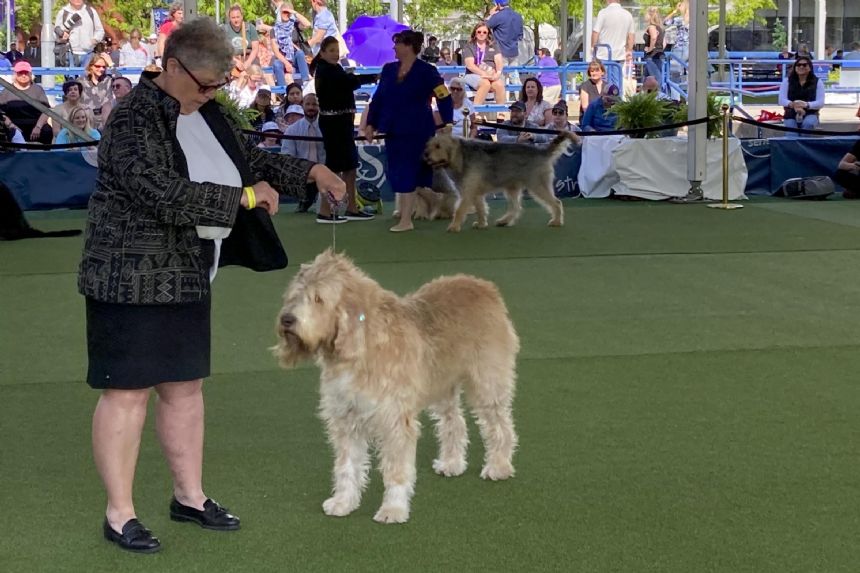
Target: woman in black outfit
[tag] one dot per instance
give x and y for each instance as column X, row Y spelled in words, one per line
column 334, row 89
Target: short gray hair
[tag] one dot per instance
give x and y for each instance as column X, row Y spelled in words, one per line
column 200, row 44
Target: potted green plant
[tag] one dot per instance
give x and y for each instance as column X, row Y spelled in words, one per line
column 240, row 116
column 640, row 111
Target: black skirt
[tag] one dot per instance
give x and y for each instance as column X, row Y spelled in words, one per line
column 338, row 132
column 131, row 346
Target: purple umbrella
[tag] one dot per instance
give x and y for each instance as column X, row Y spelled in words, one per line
column 369, row 39
column 384, row 22
column 369, row 46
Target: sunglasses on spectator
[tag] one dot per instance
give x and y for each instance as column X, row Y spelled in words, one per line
column 115, row 87
column 99, row 66
column 558, row 112
column 481, row 32
column 202, row 88
column 801, row 65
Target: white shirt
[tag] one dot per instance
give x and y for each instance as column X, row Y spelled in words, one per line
column 207, row 162
column 84, row 35
column 612, row 26
column 469, row 107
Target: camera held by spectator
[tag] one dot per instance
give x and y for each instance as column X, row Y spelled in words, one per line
column 71, row 22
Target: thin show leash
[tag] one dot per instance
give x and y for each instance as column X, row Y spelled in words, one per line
column 334, row 205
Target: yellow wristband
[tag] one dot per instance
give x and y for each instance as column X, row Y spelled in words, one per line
column 252, row 197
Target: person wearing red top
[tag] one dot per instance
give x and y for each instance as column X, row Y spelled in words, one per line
column 176, row 17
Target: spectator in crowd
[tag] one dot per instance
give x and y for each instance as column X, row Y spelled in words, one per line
column 650, row 86
column 446, row 59
column 293, row 97
column 549, row 80
column 270, row 143
column 613, row 27
column 599, row 116
column 463, row 110
column 784, row 54
column 112, row 49
column 679, row 20
column 404, row 91
column 506, row 26
column 263, row 105
column 803, row 51
column 244, row 39
column 802, row 96
column 5, row 64
column 848, row 172
column 121, row 87
column 654, row 37
column 9, row 131
column 484, row 65
column 334, row 88
column 72, row 90
column 244, row 89
column 78, row 29
column 265, row 54
column 151, row 46
column 33, row 52
column 458, row 56
column 133, row 53
column 287, row 57
column 431, row 53
column 166, row 204
column 175, row 17
column 594, row 86
column 80, row 118
column 97, row 89
column 537, row 108
column 293, row 114
column 324, row 26
column 518, row 119
column 559, row 118
column 32, row 122
column 307, row 126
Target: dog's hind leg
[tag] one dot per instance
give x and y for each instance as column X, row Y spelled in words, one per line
column 452, row 435
column 490, row 395
column 543, row 193
column 397, row 461
column 481, row 210
column 351, row 466
column 515, row 208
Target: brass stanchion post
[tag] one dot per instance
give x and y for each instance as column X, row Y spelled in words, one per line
column 725, row 203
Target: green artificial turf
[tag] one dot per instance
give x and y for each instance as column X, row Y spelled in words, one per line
column 687, row 401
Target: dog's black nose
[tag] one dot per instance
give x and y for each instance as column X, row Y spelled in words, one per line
column 288, row 320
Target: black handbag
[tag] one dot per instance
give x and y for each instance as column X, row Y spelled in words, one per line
column 253, row 243
column 300, row 41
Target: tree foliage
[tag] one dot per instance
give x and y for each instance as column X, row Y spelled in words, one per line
column 432, row 16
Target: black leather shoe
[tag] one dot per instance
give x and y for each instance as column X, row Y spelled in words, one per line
column 135, row 537
column 213, row 515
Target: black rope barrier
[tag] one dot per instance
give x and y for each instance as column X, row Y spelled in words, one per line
column 795, row 129
column 47, row 147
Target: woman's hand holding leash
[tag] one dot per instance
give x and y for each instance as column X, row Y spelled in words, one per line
column 328, row 183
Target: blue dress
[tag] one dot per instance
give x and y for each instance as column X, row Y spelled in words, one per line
column 401, row 110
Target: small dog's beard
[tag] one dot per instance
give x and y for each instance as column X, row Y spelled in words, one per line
column 291, row 349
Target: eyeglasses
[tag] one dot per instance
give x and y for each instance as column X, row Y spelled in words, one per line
column 116, row 86
column 202, row 88
column 481, row 32
column 801, row 65
column 559, row 112
column 99, row 66
column 456, row 89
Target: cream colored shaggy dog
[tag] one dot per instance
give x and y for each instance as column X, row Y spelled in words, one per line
column 481, row 167
column 384, row 359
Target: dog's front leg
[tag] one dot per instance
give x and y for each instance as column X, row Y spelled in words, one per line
column 397, row 460
column 351, row 465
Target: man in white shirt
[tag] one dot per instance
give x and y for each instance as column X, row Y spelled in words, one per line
column 614, row 26
column 308, row 126
column 79, row 27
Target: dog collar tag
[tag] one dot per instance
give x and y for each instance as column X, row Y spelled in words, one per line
column 361, row 317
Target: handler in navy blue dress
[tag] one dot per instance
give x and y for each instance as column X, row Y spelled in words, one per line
column 401, row 109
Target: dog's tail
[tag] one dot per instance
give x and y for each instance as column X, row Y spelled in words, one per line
column 559, row 145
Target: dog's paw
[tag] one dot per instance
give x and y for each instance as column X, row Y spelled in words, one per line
column 555, row 223
column 479, row 225
column 450, row 468
column 392, row 514
column 503, row 222
column 452, row 228
column 338, row 506
column 498, row 472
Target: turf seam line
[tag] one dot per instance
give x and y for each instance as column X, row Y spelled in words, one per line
column 542, row 257
column 527, row 359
